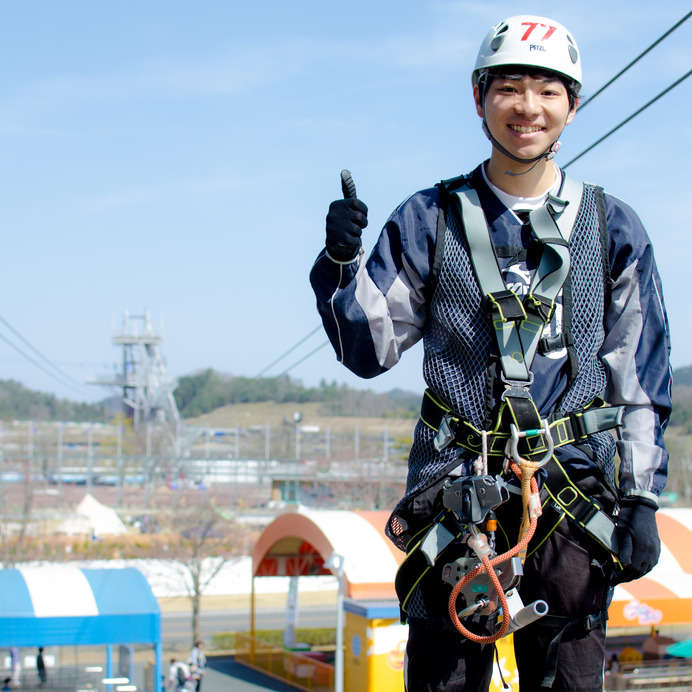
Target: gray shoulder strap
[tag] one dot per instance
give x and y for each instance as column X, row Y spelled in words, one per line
column 518, row 336
column 571, row 192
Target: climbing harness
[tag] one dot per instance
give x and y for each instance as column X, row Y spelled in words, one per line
column 570, row 428
column 484, row 583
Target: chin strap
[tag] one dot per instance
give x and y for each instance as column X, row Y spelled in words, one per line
column 552, row 150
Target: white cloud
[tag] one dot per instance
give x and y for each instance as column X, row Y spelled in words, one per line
column 111, row 202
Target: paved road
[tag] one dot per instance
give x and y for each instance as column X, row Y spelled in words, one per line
column 177, row 627
column 225, row 675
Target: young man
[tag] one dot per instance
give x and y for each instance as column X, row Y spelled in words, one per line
column 538, row 301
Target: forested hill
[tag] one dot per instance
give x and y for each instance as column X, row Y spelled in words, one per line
column 19, row 403
column 682, row 399
column 207, row 390
column 682, row 377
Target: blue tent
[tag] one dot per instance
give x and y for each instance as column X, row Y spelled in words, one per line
column 63, row 605
column 681, row 649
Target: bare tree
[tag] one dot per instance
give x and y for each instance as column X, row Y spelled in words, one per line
column 208, row 540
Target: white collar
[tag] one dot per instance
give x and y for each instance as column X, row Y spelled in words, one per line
column 515, row 204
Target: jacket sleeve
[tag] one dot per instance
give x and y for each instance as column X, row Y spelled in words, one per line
column 636, row 351
column 374, row 309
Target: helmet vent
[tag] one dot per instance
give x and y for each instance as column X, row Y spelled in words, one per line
column 573, row 55
column 496, row 43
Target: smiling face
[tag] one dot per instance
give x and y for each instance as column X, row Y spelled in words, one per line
column 525, row 114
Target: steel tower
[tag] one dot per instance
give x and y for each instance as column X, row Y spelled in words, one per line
column 147, row 391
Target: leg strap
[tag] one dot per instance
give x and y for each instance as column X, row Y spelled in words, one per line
column 443, row 532
column 565, row 497
column 567, row 625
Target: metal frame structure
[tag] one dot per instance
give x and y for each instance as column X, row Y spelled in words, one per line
column 147, row 391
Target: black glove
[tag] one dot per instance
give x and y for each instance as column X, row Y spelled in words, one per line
column 639, row 546
column 345, row 223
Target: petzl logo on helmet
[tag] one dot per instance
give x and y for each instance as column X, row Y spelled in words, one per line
column 530, row 28
column 519, row 40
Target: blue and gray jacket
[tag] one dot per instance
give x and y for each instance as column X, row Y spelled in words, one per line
column 611, row 308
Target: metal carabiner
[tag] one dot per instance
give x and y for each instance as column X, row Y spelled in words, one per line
column 518, row 434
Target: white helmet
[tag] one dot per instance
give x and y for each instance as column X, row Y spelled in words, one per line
column 531, row 41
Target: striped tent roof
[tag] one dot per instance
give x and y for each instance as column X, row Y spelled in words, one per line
column 664, row 596
column 57, row 604
column 299, row 543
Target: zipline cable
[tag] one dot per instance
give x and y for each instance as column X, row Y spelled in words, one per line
column 46, row 360
column 36, row 363
column 290, row 350
column 581, row 105
column 631, row 117
column 304, row 358
column 637, row 59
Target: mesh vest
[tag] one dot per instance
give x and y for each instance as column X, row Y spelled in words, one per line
column 458, row 341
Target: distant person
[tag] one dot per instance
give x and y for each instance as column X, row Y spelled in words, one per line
column 178, row 676
column 15, row 665
column 198, row 664
column 41, row 667
column 6, row 684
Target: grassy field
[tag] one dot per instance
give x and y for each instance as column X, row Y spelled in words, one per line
column 269, row 413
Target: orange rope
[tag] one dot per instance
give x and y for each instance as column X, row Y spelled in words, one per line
column 487, row 565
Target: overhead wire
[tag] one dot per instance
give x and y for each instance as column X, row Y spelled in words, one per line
column 633, row 62
column 588, row 149
column 304, row 358
column 45, row 359
column 37, row 364
column 290, row 350
column 631, row 117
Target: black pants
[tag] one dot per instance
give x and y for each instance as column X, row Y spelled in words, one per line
column 571, row 573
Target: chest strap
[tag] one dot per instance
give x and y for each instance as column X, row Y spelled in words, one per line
column 572, row 428
column 518, row 321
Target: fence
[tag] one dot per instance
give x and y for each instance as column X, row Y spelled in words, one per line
column 669, row 674
column 59, row 678
column 302, row 670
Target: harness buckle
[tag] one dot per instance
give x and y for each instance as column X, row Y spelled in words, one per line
column 446, row 432
column 517, row 434
column 517, row 389
column 544, row 307
column 505, row 305
column 578, row 426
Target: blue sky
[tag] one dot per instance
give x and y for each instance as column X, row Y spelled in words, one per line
column 180, row 157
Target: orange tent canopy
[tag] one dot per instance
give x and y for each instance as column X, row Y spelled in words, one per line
column 664, row 596
column 300, row 543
